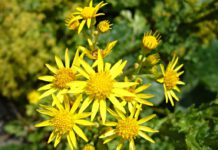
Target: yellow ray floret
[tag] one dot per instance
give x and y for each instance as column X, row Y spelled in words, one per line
column 63, row 74
column 127, row 128
column 65, row 120
column 92, row 53
column 139, row 98
column 171, row 79
column 87, row 13
column 100, row 85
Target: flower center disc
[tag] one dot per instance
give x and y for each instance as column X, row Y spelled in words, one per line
column 100, row 85
column 63, row 76
column 63, row 122
column 170, row 79
column 88, row 12
column 127, row 128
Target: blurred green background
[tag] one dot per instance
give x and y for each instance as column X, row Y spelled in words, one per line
column 33, row 31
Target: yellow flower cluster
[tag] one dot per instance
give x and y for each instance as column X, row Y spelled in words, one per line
column 78, row 86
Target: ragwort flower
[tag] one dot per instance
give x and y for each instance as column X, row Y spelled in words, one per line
column 86, row 14
column 63, row 74
column 104, row 26
column 150, row 41
column 65, row 121
column 71, row 23
column 171, row 79
column 101, row 85
column 127, row 128
column 92, row 53
column 139, row 98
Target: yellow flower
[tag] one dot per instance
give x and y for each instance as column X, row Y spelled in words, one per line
column 88, row 147
column 65, row 121
column 86, row 14
column 63, row 74
column 150, row 41
column 93, row 53
column 171, row 79
column 33, row 97
column 104, row 26
column 152, row 59
column 71, row 23
column 127, row 128
column 139, row 97
column 101, row 85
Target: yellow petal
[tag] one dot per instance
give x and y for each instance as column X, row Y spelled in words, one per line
column 85, row 122
column 107, row 66
column 124, row 84
column 57, row 140
column 170, row 98
column 89, row 23
column 70, row 142
column 132, row 144
column 51, row 137
column 142, row 88
column 46, row 78
column 51, row 68
column 57, row 102
column 67, row 60
column 147, row 129
column 120, row 145
column 45, row 87
column 122, row 92
column 47, row 93
column 59, row 62
column 81, row 26
column 85, row 104
column 116, row 103
column 43, row 124
column 87, row 67
column 110, row 138
column 174, row 95
column 108, row 133
column 143, row 120
column 110, row 123
column 73, row 138
column 162, row 68
column 76, row 104
column 100, row 62
column 95, row 108
column 80, row 133
column 81, row 71
column 103, row 110
column 145, row 136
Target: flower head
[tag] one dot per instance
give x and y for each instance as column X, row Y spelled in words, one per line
column 88, row 147
column 104, row 26
column 152, row 59
column 150, row 41
column 93, row 53
column 33, row 97
column 65, row 121
column 71, row 23
column 63, row 75
column 100, row 85
column 87, row 13
column 127, row 128
column 171, row 79
column 139, row 98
